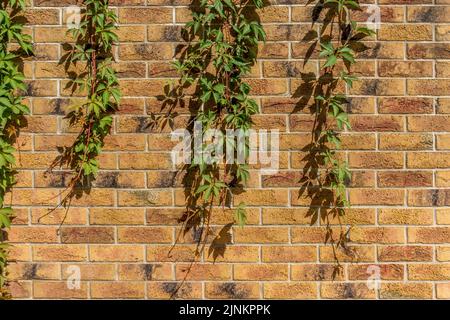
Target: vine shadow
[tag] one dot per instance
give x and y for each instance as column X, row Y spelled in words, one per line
column 184, row 100
column 321, row 209
column 76, row 73
column 58, row 173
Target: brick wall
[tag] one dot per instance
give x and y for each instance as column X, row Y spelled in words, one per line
column 120, row 234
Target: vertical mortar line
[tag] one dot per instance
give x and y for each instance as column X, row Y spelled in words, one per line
column 30, row 223
column 434, row 75
column 435, row 137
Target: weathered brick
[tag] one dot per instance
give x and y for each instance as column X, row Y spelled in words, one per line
column 405, row 141
column 33, row 235
column 123, row 290
column 315, row 272
column 144, row 15
column 346, row 291
column 100, row 216
column 59, row 290
column 288, row 254
column 149, row 51
column 405, row 216
column 203, row 272
column 405, row 105
column 351, row 254
column 144, row 235
column 429, row 235
column 428, row 123
column 90, row 271
column 429, row 272
column 116, row 253
column 397, row 32
column 59, row 253
column 376, row 160
column 385, row 271
column 443, row 216
column 232, row 290
column 145, row 272
column 428, row 160
column 406, row 290
column 295, row 290
column 87, row 235
column 410, row 69
column 405, row 253
column 430, row 197
column 33, row 271
column 432, row 14
column 428, row 87
column 378, row 123
column 443, row 290
column 405, row 179
column 261, row 235
column 428, row 51
column 179, row 290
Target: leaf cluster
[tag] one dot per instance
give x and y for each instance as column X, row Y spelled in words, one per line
column 12, row 111
column 326, row 176
column 94, row 40
column 223, row 38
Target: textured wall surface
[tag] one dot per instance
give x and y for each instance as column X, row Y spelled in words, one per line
column 120, row 234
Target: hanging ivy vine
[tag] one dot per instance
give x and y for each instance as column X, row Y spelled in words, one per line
column 222, row 47
column 327, row 175
column 12, row 111
column 93, row 49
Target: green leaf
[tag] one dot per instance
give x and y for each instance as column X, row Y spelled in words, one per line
column 241, row 214
column 331, row 61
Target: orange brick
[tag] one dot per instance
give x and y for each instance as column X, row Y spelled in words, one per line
column 379, row 235
column 145, row 272
column 443, row 290
column 90, row 271
column 124, row 290
column 288, row 254
column 405, row 216
column 346, row 291
column 145, row 235
column 408, row 290
column 200, row 271
column 59, row 253
column 46, row 289
column 261, row 235
column 33, row 271
column 387, row 197
column 296, row 290
column 116, row 253
column 405, row 253
column 386, row 271
column 429, row 235
column 429, row 272
column 315, row 272
column 100, row 216
column 180, row 290
column 352, row 254
column 405, row 179
column 406, row 141
column 260, row 272
column 405, row 32
column 87, row 235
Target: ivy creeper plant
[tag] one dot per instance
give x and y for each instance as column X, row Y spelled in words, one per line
column 93, row 46
column 222, row 46
column 12, row 111
column 327, row 175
